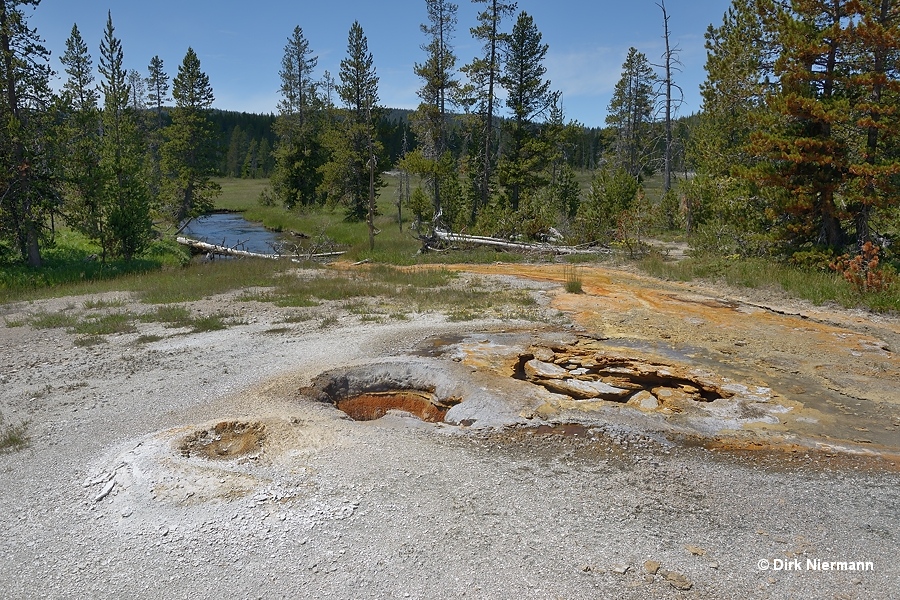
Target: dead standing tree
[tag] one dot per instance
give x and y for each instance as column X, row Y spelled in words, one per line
column 670, row 63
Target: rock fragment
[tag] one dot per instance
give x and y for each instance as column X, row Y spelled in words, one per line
column 678, row 581
column 651, row 566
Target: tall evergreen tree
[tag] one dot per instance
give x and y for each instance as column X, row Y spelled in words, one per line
column 125, row 192
column 157, row 86
column 80, row 136
column 483, row 73
column 738, row 66
column 528, row 98
column 237, row 151
column 137, row 87
column 438, row 88
column 188, row 153
column 874, row 183
column 298, row 154
column 352, row 175
column 630, row 114
column 250, row 168
column 28, row 187
column 807, row 159
column 265, row 157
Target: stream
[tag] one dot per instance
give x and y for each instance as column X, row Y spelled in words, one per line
column 233, row 231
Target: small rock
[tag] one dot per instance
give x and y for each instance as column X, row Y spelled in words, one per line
column 651, row 566
column 105, row 491
column 586, row 568
column 620, row 569
column 856, row 581
column 713, row 565
column 695, row 550
column 771, row 580
column 679, row 581
column 537, row 369
column 644, row 400
column 576, row 388
column 543, row 354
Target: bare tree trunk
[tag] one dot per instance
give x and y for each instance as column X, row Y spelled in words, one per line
column 370, row 218
column 667, row 182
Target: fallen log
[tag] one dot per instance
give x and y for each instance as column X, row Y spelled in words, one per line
column 223, row 250
column 226, row 251
column 446, row 236
column 306, row 257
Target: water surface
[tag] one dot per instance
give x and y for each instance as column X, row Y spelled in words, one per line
column 233, row 231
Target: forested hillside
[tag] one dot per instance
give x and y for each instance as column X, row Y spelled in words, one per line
column 795, row 154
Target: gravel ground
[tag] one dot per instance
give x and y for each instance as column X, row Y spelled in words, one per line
column 104, row 503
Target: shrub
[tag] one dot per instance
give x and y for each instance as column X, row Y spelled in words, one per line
column 864, row 271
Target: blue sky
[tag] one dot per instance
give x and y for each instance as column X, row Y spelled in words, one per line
column 240, row 44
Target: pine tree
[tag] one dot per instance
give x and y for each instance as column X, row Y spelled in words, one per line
column 807, row 159
column 438, row 88
column 351, row 175
column 484, row 73
column 265, row 157
column 630, row 114
column 157, row 86
column 738, row 64
column 237, row 152
column 874, row 38
column 157, row 89
column 528, row 98
column 250, row 168
column 29, row 192
column 188, row 153
column 125, row 193
column 80, row 136
column 298, row 153
column 137, row 99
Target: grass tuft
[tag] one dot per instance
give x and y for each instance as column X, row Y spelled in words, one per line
column 106, row 324
column 209, row 323
column 13, row 436
column 58, row 320
column 573, row 279
column 88, row 341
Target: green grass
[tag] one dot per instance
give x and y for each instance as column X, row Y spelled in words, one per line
column 818, row 287
column 239, row 195
column 13, row 436
column 67, row 269
column 57, row 320
column 573, row 279
column 171, row 314
column 106, row 324
column 92, row 304
column 209, row 323
column 91, row 340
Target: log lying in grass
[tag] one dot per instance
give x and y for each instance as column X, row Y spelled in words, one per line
column 225, row 251
column 299, row 258
column 446, row 236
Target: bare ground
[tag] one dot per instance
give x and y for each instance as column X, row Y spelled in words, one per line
column 206, row 465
